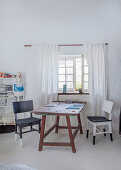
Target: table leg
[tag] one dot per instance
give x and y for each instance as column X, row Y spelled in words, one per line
column 79, row 122
column 70, row 134
column 57, row 121
column 42, row 132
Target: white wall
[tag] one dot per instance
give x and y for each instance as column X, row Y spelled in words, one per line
column 65, row 21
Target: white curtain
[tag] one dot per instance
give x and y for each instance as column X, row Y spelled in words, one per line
column 41, row 74
column 96, row 55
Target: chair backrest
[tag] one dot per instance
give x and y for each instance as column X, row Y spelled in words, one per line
column 22, row 106
column 107, row 107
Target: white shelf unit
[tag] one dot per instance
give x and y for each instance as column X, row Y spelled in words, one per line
column 6, row 99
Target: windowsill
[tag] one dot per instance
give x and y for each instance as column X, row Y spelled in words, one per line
column 74, row 93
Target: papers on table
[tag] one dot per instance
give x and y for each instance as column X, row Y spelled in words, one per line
column 75, row 106
column 52, row 105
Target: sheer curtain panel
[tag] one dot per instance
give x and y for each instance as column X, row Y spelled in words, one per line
column 41, row 74
column 96, row 55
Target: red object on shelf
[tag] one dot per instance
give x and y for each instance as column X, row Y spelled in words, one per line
column 8, row 76
column 1, row 74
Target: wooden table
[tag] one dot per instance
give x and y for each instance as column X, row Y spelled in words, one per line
column 60, row 109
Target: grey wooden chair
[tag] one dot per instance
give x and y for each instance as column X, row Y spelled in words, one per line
column 21, row 107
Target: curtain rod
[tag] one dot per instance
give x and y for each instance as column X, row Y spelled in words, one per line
column 27, row 45
column 74, row 44
column 62, row 45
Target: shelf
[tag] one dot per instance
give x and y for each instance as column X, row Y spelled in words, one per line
column 7, row 78
column 6, row 91
column 6, row 124
column 7, row 97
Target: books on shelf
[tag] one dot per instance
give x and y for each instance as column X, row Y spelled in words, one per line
column 6, row 99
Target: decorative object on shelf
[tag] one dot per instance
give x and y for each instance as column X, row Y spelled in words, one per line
column 80, row 90
column 18, row 86
column 64, row 88
column 68, row 101
column 1, row 74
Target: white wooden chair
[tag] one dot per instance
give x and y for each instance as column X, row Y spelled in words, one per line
column 101, row 121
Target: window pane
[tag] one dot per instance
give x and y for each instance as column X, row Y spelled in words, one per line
column 61, row 85
column 78, row 85
column 78, row 73
column 85, row 85
column 61, row 70
column 85, row 61
column 61, row 77
column 69, row 63
column 69, row 70
column 85, row 69
column 69, row 85
column 79, row 59
column 61, row 63
column 69, row 77
column 85, row 77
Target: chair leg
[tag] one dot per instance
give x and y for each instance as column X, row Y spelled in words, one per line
column 87, row 133
column 31, row 130
column 15, row 132
column 94, row 133
column 111, row 137
column 87, row 129
column 39, row 128
column 110, row 131
column 104, row 131
column 20, row 137
column 93, row 140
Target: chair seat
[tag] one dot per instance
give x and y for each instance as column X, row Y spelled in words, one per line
column 98, row 119
column 28, row 121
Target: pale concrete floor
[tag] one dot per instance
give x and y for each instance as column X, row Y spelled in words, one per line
column 105, row 155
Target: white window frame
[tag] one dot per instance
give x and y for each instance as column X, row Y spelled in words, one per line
column 83, row 74
column 72, row 57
